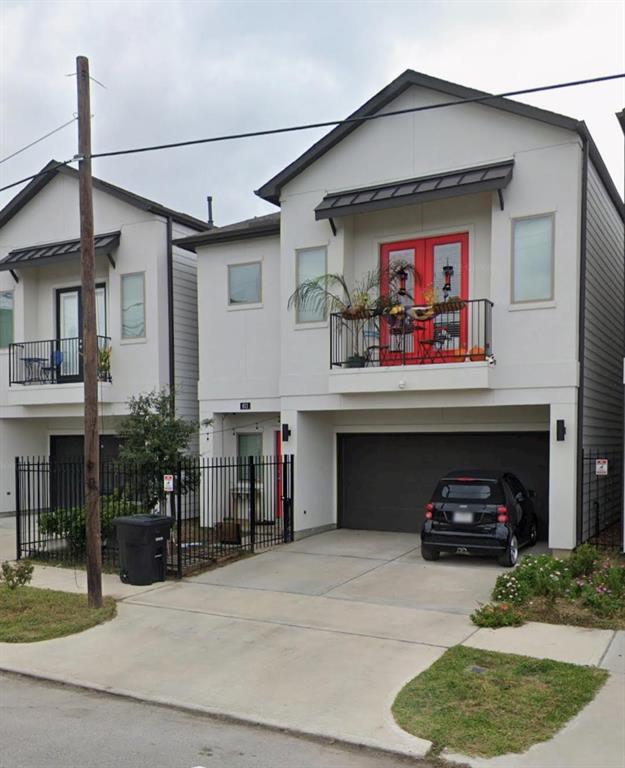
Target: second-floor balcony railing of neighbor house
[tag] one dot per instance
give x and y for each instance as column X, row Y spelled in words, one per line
column 54, row 361
column 457, row 331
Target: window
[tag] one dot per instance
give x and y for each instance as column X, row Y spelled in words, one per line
column 6, row 318
column 310, row 263
column 244, row 283
column 248, row 445
column 532, row 259
column 133, row 306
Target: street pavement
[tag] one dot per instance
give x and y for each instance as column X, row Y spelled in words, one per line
column 49, row 726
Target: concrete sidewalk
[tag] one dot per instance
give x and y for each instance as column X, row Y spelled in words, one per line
column 321, row 648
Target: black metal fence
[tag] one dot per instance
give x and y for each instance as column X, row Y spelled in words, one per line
column 452, row 332
column 54, row 361
column 602, row 497
column 220, row 507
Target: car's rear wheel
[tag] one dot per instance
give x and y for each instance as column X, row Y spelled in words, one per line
column 511, row 555
column 533, row 532
column 428, row 553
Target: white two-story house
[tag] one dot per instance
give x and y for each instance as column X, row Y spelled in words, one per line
column 146, row 304
column 507, row 207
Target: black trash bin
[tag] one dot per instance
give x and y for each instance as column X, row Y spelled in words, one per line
column 142, row 545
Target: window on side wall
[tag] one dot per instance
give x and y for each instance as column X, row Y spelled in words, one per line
column 250, row 444
column 6, row 319
column 133, row 306
column 532, row 259
column 310, row 264
column 244, row 284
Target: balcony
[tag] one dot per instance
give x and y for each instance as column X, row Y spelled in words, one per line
column 55, row 361
column 443, row 346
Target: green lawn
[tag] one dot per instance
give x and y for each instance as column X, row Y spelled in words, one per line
column 480, row 703
column 28, row 614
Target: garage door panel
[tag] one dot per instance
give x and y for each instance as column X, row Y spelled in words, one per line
column 385, row 480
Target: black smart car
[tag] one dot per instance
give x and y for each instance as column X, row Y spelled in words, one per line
column 480, row 512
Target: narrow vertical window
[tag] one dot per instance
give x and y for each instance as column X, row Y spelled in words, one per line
column 532, row 259
column 248, row 445
column 310, row 264
column 244, row 283
column 6, row 318
column 133, row 306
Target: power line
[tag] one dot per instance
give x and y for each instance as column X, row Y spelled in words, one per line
column 363, row 119
column 45, row 172
column 325, row 124
column 36, row 141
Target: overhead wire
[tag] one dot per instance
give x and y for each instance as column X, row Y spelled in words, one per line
column 326, row 123
column 354, row 119
column 37, row 141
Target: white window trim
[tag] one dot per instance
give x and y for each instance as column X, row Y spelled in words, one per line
column 12, row 292
column 549, row 300
column 310, row 324
column 132, row 339
column 244, row 304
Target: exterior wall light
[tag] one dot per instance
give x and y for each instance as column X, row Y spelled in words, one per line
column 560, row 430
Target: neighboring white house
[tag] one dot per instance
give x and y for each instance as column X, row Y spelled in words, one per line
column 515, row 200
column 146, row 301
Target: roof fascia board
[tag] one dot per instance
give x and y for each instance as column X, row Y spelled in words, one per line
column 271, row 190
column 191, row 243
column 36, row 185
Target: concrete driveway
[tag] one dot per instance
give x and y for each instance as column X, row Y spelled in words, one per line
column 366, row 567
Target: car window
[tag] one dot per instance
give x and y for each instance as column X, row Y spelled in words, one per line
column 515, row 485
column 450, row 490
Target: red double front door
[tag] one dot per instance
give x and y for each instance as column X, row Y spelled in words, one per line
column 441, row 337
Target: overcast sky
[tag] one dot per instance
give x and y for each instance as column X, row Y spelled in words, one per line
column 183, row 70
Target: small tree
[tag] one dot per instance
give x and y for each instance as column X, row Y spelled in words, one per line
column 155, row 439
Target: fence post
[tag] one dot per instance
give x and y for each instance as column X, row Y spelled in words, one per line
column 18, row 510
column 178, row 511
column 252, row 502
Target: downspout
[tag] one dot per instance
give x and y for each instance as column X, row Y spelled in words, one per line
column 170, row 307
column 582, row 344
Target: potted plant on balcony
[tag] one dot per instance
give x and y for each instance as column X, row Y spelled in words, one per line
column 104, row 363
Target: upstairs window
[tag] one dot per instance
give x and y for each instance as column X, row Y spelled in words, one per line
column 532, row 259
column 244, row 283
column 6, row 318
column 133, row 306
column 310, row 264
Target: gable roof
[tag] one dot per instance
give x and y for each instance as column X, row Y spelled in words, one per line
column 271, row 190
column 259, row 226
column 53, row 168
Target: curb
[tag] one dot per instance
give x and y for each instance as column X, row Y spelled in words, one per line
column 406, row 755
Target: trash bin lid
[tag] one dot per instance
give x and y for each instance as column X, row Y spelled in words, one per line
column 143, row 521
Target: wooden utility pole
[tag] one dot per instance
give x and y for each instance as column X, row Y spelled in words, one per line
column 89, row 340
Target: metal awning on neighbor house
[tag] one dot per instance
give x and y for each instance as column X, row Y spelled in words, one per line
column 410, row 191
column 35, row 255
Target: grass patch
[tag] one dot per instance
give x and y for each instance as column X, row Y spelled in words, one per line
column 567, row 611
column 483, row 704
column 28, row 614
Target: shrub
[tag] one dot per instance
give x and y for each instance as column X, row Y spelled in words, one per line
column 70, row 524
column 495, row 616
column 539, row 576
column 17, row 574
column 583, row 559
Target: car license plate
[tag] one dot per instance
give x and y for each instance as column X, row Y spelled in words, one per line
column 463, row 517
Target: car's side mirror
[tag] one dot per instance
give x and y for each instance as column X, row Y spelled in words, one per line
column 519, row 497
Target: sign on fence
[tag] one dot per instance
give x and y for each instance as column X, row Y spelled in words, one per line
column 601, row 467
column 168, row 483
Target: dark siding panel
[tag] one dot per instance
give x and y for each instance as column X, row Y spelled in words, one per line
column 604, row 347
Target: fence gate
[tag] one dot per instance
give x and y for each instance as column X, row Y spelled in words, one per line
column 602, row 496
column 221, row 507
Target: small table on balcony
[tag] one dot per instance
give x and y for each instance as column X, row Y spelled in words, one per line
column 33, row 366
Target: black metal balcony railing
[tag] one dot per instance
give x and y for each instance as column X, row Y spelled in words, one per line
column 54, row 361
column 457, row 332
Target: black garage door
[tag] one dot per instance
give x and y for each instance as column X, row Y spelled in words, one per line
column 385, row 480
